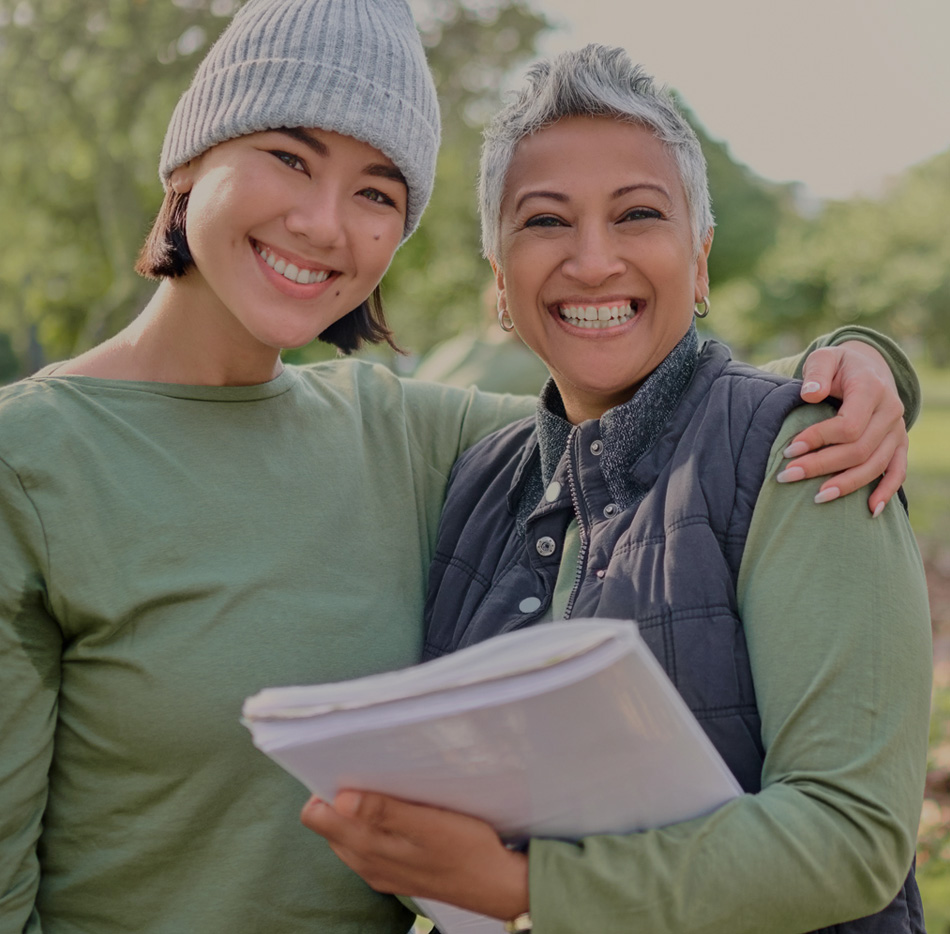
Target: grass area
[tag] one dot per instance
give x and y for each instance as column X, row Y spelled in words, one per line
column 928, row 488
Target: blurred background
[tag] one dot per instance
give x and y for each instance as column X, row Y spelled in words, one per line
column 824, row 124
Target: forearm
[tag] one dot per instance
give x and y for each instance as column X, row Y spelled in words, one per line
column 835, row 613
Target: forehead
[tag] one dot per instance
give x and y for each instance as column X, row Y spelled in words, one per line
column 584, row 155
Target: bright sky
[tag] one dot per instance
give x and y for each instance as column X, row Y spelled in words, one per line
column 839, row 94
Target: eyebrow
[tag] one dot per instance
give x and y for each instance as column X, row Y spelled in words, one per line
column 302, row 136
column 376, row 169
column 563, row 198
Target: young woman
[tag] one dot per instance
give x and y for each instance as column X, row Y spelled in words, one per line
column 184, row 520
column 646, row 489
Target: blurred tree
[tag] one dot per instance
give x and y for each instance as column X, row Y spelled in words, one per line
column 433, row 290
column 884, row 263
column 87, row 90
column 88, row 86
column 748, row 209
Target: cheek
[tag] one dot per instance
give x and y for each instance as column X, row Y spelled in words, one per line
column 381, row 245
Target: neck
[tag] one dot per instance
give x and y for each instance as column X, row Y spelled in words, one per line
column 174, row 340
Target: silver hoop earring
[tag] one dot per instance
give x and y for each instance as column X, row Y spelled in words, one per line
column 504, row 319
column 704, row 301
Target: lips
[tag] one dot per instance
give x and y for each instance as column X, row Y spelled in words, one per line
column 598, row 317
column 291, row 271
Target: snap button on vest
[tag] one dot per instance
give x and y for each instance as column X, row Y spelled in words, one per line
column 545, row 546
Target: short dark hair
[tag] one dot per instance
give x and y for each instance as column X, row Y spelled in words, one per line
column 165, row 255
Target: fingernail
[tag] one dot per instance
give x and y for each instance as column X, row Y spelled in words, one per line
column 811, row 386
column 790, row 475
column 348, row 802
column 795, row 448
column 826, row 496
column 878, row 509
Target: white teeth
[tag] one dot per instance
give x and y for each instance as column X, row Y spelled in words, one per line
column 597, row 317
column 290, row 271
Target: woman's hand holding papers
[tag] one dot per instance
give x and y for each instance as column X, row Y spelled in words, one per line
column 423, row 852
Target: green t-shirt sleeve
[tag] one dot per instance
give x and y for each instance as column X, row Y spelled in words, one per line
column 446, row 420
column 835, row 612
column 29, row 683
column 908, row 386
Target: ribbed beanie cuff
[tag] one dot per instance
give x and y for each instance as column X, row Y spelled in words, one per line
column 354, row 67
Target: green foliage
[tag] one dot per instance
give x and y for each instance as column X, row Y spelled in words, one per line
column 89, row 85
column 882, row 263
column 433, row 288
column 747, row 208
column 88, row 89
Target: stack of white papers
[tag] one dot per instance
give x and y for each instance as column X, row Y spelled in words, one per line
column 560, row 730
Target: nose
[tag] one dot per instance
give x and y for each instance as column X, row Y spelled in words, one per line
column 319, row 218
column 593, row 258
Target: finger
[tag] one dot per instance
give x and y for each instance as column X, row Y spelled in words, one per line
column 854, row 478
column 846, row 466
column 856, row 421
column 381, row 812
column 818, row 373
column 890, row 483
column 323, row 819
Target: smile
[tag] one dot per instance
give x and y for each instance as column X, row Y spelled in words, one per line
column 599, row 317
column 289, row 270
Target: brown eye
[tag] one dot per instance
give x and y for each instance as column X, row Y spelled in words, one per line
column 290, row 160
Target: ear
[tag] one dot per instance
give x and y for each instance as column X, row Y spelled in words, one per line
column 500, row 290
column 702, row 269
column 182, row 178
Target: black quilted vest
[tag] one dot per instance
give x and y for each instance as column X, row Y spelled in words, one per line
column 663, row 550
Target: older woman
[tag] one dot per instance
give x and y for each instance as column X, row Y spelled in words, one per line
column 646, row 488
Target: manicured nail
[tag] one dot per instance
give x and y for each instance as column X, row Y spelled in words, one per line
column 878, row 509
column 826, row 496
column 795, row 448
column 811, row 386
column 790, row 475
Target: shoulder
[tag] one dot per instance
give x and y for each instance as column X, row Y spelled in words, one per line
column 498, row 462
column 368, row 382
column 751, row 403
column 29, row 405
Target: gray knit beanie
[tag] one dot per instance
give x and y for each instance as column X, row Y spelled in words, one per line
column 354, row 67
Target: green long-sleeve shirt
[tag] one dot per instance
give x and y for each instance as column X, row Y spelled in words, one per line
column 165, row 551
column 834, row 607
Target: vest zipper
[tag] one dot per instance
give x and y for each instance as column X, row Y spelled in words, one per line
column 575, row 501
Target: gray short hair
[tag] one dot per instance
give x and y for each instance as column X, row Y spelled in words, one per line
column 594, row 81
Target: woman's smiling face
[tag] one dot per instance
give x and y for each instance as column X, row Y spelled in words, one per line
column 597, row 265
column 290, row 230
